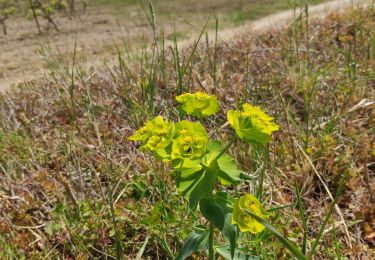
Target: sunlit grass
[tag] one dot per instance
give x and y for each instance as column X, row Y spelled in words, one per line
column 74, row 186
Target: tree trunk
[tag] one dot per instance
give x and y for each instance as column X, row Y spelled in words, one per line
column 50, row 20
column 35, row 16
column 72, row 7
column 4, row 27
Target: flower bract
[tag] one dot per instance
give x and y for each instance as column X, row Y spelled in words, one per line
column 198, row 104
column 252, row 124
column 156, row 135
column 244, row 221
column 190, row 141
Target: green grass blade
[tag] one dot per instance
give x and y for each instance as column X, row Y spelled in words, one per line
column 195, row 47
column 325, row 222
column 289, row 245
column 337, row 244
column 142, row 250
column 303, row 219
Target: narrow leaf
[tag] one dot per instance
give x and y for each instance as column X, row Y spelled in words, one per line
column 225, row 252
column 230, row 233
column 142, row 250
column 325, row 222
column 194, row 242
column 214, row 210
column 202, row 188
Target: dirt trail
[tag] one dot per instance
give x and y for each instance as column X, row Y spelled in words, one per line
column 96, row 34
column 280, row 19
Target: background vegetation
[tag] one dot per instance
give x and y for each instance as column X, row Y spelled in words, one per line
column 65, row 160
column 98, row 27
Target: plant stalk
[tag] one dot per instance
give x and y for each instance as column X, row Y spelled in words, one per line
column 227, row 146
column 211, row 251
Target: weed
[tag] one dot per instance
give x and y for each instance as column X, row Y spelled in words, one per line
column 69, row 193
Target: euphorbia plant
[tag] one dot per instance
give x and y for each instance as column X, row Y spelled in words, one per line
column 201, row 163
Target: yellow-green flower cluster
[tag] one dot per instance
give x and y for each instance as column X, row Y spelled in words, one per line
column 169, row 141
column 244, row 221
column 156, row 136
column 252, row 124
column 198, row 104
column 190, row 141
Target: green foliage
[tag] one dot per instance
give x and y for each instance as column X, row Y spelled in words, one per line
column 34, row 9
column 194, row 242
column 7, row 8
column 289, row 245
column 215, row 210
column 13, row 142
column 200, row 164
column 45, row 9
column 152, row 216
column 196, row 178
column 225, row 252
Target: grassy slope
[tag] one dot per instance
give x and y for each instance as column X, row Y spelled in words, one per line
column 63, row 149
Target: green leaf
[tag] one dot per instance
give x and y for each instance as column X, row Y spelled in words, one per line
column 197, row 178
column 194, row 242
column 190, row 171
column 238, row 255
column 52, row 227
column 202, row 188
column 142, row 250
column 217, row 209
column 154, row 216
column 198, row 186
column 229, row 173
column 226, row 197
column 214, row 210
column 184, row 186
column 189, row 168
column 225, row 166
column 214, row 149
column 230, row 233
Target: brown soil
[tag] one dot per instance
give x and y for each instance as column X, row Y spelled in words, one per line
column 95, row 34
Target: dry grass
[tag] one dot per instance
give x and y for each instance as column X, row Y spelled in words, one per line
column 63, row 144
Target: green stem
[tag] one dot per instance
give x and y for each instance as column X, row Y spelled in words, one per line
column 211, row 251
column 261, row 177
column 325, row 222
column 227, row 146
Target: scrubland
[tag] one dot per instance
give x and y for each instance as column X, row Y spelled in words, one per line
column 74, row 187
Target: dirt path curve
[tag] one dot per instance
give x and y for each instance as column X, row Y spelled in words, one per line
column 280, row 19
column 95, row 33
column 21, row 62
